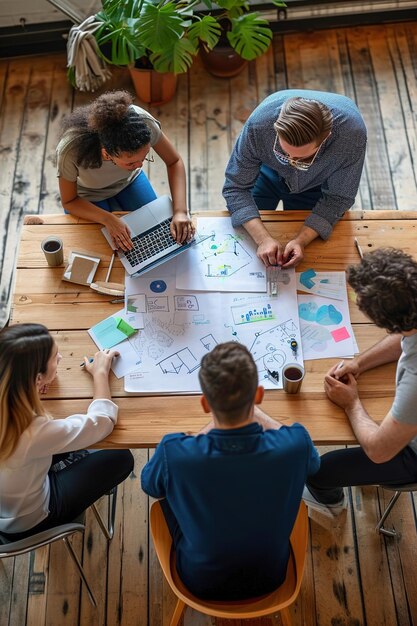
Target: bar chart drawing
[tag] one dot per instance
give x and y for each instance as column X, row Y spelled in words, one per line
column 252, row 312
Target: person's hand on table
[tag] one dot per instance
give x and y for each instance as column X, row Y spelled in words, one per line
column 343, row 368
column 293, row 254
column 269, row 252
column 344, row 394
column 119, row 232
column 100, row 363
column 182, row 228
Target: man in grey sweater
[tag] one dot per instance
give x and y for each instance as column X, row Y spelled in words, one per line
column 306, row 148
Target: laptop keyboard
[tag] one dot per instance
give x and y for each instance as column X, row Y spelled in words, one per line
column 148, row 244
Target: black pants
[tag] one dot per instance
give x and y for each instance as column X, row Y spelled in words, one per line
column 82, row 482
column 346, row 468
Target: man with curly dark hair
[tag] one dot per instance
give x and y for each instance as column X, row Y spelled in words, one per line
column 385, row 283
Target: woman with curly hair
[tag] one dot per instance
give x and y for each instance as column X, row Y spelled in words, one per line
column 100, row 158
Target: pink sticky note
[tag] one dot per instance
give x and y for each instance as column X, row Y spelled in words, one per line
column 340, row 334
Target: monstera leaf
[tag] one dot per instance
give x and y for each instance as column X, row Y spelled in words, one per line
column 177, row 59
column 250, row 35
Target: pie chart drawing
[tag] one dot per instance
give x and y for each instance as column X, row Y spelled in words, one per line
column 158, row 286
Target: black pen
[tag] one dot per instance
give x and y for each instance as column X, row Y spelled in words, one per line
column 90, row 360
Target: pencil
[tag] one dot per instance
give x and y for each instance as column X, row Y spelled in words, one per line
column 358, row 248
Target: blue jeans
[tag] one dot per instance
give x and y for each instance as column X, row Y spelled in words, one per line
column 270, row 188
column 135, row 195
column 349, row 467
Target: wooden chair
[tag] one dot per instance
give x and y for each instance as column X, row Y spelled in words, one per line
column 278, row 600
column 398, row 489
column 10, row 548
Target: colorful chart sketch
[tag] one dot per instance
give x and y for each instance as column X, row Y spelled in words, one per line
column 247, row 314
column 327, row 284
column 225, row 260
column 326, row 330
column 224, row 255
column 326, row 315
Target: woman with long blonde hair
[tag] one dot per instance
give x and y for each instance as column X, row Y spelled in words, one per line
column 45, row 477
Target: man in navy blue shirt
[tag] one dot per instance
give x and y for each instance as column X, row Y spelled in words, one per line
column 232, row 492
column 306, row 148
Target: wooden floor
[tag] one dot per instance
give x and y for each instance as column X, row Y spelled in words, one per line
column 354, row 577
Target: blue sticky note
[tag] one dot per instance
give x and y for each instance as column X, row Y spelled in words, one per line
column 107, row 333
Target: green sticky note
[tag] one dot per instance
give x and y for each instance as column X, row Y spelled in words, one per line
column 124, row 327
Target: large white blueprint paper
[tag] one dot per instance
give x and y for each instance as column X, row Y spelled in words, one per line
column 266, row 326
column 225, row 261
column 181, row 326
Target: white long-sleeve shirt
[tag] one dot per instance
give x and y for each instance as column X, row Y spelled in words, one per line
column 24, row 481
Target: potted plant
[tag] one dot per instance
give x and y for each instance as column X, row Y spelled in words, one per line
column 151, row 38
column 243, row 36
column 163, row 36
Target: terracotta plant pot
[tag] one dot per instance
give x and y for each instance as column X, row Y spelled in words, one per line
column 153, row 87
column 222, row 61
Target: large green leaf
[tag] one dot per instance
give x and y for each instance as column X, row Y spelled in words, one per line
column 207, row 29
column 176, row 60
column 250, row 36
column 124, row 44
column 119, row 10
column 159, row 27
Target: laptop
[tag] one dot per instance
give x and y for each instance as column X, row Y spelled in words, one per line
column 152, row 240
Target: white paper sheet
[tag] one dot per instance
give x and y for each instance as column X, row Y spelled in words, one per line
column 327, row 284
column 266, row 326
column 181, row 326
column 226, row 261
column 326, row 330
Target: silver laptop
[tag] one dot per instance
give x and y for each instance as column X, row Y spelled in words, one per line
column 152, row 240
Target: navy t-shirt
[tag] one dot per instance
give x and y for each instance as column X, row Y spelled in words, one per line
column 235, row 495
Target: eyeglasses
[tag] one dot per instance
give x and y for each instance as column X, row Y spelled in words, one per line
column 150, row 159
column 299, row 164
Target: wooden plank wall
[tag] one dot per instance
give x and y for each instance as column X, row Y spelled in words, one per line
column 353, row 577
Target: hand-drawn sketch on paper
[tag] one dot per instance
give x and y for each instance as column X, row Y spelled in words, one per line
column 225, row 261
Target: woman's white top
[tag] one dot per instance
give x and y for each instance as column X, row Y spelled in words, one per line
column 24, row 481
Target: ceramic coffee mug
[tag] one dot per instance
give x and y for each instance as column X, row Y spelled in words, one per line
column 292, row 377
column 53, row 250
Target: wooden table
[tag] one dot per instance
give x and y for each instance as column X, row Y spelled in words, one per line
column 68, row 310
